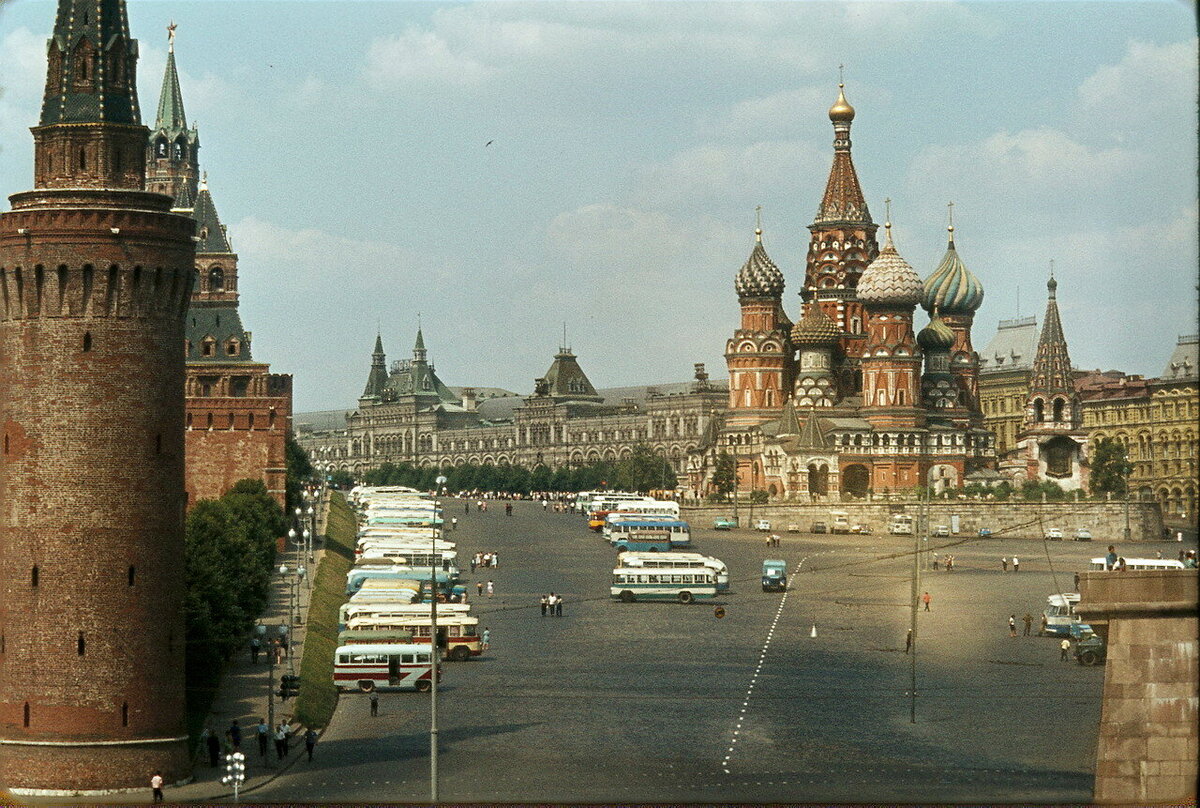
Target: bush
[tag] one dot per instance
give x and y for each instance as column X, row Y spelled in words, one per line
column 759, row 497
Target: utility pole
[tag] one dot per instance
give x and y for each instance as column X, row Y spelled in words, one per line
column 733, row 445
column 916, row 593
column 433, row 691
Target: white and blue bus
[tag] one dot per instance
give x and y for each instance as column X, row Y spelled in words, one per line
column 1060, row 614
column 686, row 585
column 395, row 572
column 678, row 561
column 677, row 531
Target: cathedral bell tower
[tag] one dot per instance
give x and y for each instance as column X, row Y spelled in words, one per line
column 173, row 152
column 842, row 243
column 95, row 275
column 759, row 354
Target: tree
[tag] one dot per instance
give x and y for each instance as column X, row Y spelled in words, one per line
column 299, row 469
column 724, row 474
column 340, row 478
column 1110, row 469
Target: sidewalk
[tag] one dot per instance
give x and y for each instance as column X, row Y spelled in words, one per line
column 245, row 687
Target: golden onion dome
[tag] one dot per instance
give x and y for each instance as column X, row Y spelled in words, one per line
column 841, row 110
column 815, row 329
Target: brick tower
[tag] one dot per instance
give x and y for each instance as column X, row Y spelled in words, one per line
column 841, row 246
column 95, row 276
column 759, row 355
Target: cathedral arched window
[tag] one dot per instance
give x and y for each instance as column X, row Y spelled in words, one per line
column 178, row 151
column 1039, row 410
column 1058, row 409
column 160, row 147
column 216, row 279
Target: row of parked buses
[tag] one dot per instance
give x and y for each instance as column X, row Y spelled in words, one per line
column 403, row 571
column 653, row 562
column 1060, row 618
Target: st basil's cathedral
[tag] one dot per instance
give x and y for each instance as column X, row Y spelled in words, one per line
column 850, row 400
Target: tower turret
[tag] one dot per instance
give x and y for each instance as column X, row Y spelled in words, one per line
column 1052, row 396
column 816, row 337
column 956, row 294
column 173, row 150
column 758, row 354
column 842, row 240
column 378, row 377
column 891, row 366
column 96, row 275
column 939, row 389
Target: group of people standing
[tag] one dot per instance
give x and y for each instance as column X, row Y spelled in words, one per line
column 1016, row 564
column 948, row 562
column 552, row 604
column 490, row 560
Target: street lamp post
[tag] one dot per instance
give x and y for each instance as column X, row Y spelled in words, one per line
column 433, row 655
column 283, row 570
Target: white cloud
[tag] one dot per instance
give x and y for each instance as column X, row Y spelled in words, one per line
column 1150, row 81
column 24, row 77
column 421, row 57
column 728, row 176
column 1033, row 168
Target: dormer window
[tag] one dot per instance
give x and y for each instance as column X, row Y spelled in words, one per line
column 233, row 347
column 208, row 347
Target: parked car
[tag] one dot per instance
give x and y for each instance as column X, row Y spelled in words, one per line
column 984, row 532
column 1054, row 534
column 762, row 524
column 818, row 527
column 1083, row 534
column 941, row 531
column 863, row 529
column 724, row 523
column 793, row 528
column 1090, row 649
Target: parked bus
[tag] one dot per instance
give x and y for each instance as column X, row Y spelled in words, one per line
column 408, row 556
column 1060, row 614
column 397, row 608
column 372, row 637
column 677, row 532
column 638, row 583
column 384, row 666
column 1098, row 564
column 678, row 561
column 839, row 522
column 396, row 572
column 649, row 507
column 458, row 634
column 901, row 524
column 585, row 502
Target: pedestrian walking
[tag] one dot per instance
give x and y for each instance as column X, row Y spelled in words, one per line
column 908, row 642
column 508, row 509
column 545, row 602
column 926, row 598
column 1004, row 564
column 235, row 735
column 156, row 784
column 1012, row 625
column 1077, row 582
column 454, row 523
column 279, row 754
column 1016, row 564
column 487, row 639
column 213, row 744
column 1028, row 620
column 558, row 606
column 935, row 561
column 495, row 560
column 287, row 738
column 310, row 742
column 466, row 508
column 491, row 588
column 1064, row 647
column 1110, row 560
column 474, row 558
column 255, row 648
column 264, row 733
column 479, row 588
column 374, row 703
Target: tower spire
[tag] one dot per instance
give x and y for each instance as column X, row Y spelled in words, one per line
column 171, row 116
column 1052, row 362
column 92, row 65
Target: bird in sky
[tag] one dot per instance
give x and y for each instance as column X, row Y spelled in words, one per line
column 490, row 142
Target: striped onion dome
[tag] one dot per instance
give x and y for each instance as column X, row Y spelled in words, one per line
column 889, row 279
column 815, row 329
column 952, row 289
column 936, row 336
column 759, row 277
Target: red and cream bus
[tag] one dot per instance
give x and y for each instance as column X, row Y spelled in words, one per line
column 458, row 634
column 384, row 666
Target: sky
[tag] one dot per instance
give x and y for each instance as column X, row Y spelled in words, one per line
column 499, row 170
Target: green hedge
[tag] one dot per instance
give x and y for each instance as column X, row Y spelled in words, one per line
column 318, row 696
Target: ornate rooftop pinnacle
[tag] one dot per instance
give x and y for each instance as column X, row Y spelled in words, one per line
column 952, row 288
column 815, row 329
column 890, row 280
column 1052, row 362
column 92, row 65
column 171, row 117
column 759, row 277
column 843, row 202
column 936, row 336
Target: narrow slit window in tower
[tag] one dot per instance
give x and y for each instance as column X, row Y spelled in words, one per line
column 80, row 645
column 125, row 714
column 26, row 717
column 34, row 576
column 87, row 341
column 132, row 574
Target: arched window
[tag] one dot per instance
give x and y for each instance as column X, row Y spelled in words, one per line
column 1058, row 409
column 216, row 279
column 1039, row 410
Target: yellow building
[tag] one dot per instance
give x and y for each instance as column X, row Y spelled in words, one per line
column 1156, row 420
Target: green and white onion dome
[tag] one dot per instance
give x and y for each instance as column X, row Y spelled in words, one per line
column 889, row 279
column 936, row 336
column 759, row 277
column 815, row 329
column 952, row 289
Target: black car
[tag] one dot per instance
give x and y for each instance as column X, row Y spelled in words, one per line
column 818, row 527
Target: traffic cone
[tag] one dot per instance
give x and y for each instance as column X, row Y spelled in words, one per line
column 814, row 631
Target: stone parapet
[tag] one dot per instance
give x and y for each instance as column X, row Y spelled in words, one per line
column 1148, row 747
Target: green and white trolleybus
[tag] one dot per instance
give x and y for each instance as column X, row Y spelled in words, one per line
column 642, row 583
